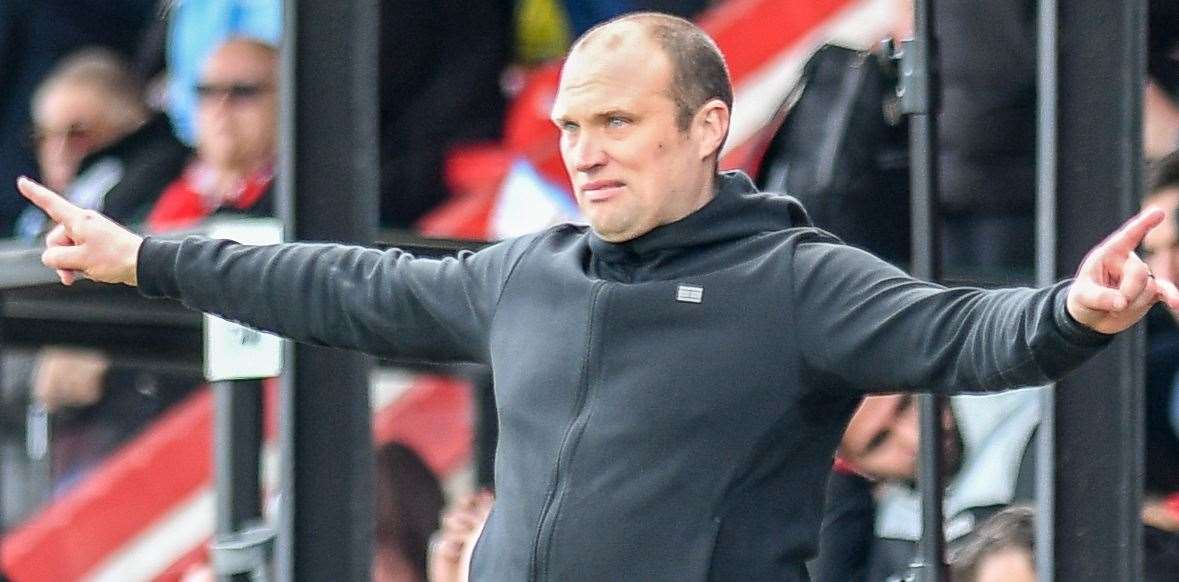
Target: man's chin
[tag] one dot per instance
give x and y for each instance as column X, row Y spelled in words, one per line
column 610, row 232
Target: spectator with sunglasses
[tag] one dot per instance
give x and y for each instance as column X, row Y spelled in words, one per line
column 233, row 171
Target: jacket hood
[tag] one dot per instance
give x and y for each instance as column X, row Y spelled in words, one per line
column 737, row 211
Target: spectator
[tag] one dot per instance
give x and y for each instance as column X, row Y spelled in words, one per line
column 872, row 521
column 89, row 101
column 409, row 500
column 96, row 139
column 34, row 35
column 99, row 404
column 1161, row 483
column 1002, row 550
column 1162, row 362
column 195, row 29
column 237, row 128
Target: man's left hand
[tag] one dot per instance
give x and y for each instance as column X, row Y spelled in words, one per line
column 1114, row 288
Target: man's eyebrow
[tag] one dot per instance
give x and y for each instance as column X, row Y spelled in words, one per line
column 613, row 113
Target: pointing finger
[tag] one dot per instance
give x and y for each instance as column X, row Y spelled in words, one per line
column 1130, row 235
column 58, row 208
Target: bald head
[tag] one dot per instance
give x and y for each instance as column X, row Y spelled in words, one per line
column 698, row 70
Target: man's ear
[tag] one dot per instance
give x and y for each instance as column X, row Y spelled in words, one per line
column 712, row 124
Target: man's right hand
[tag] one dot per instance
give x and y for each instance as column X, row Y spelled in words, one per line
column 83, row 242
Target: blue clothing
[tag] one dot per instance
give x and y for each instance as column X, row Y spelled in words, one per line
column 196, row 29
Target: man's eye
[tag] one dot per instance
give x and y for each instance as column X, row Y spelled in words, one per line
column 617, row 121
column 568, row 127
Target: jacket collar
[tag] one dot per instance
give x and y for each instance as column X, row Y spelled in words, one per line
column 737, row 211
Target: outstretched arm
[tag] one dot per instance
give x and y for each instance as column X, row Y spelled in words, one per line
column 865, row 325
column 387, row 303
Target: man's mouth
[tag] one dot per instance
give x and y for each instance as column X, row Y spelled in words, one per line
column 599, row 190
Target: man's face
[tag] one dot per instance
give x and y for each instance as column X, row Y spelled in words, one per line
column 237, row 107
column 71, row 121
column 882, row 439
column 632, row 168
column 1161, row 245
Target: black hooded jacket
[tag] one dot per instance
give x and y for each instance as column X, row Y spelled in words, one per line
column 668, row 406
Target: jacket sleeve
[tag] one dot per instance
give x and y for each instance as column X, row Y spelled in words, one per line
column 864, row 325
column 387, row 303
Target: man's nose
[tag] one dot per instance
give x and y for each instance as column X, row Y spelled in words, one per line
column 588, row 154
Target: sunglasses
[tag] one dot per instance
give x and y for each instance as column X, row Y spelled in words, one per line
column 232, row 91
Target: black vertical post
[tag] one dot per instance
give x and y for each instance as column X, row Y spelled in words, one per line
column 486, row 428
column 919, row 99
column 1097, row 417
column 328, row 181
column 237, row 442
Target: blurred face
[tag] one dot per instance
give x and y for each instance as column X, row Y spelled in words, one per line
column 1010, row 565
column 882, row 439
column 71, row 121
column 631, row 166
column 1161, row 245
column 237, row 107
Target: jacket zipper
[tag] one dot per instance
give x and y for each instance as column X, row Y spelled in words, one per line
column 552, row 503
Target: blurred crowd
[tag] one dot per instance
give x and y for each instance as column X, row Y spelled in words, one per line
column 164, row 117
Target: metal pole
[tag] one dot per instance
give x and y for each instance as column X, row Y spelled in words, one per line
column 1046, row 268
column 919, row 99
column 1097, row 422
column 328, row 184
column 237, row 446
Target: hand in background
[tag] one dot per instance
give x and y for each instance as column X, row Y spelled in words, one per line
column 453, row 543
column 67, row 377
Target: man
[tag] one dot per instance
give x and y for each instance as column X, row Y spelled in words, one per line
column 664, row 375
column 1160, row 510
column 98, row 142
column 237, row 118
column 89, row 101
column 871, row 524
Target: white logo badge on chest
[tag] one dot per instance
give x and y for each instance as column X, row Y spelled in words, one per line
column 689, row 294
